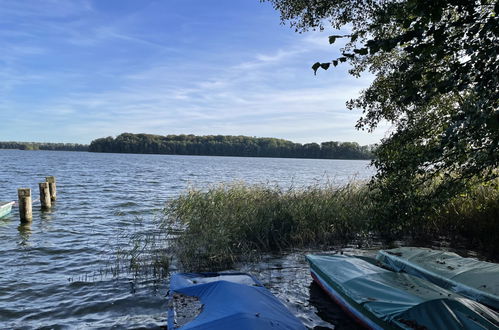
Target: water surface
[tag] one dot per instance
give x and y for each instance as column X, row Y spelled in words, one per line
column 55, row 272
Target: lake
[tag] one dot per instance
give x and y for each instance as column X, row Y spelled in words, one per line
column 55, row 272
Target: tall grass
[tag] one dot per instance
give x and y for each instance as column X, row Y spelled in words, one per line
column 142, row 252
column 233, row 222
column 471, row 219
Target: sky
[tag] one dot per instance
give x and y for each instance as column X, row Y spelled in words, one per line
column 74, row 71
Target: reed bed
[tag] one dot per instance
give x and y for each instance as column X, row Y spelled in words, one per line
column 471, row 220
column 236, row 222
column 215, row 228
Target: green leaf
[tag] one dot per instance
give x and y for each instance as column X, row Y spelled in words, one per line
column 333, row 38
column 374, row 46
column 386, row 45
column 403, row 67
column 325, row 66
column 315, row 67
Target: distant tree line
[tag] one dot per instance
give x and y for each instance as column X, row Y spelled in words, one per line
column 226, row 145
column 44, row 146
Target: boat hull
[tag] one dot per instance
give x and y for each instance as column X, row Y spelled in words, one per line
column 381, row 299
column 477, row 280
column 5, row 209
column 348, row 308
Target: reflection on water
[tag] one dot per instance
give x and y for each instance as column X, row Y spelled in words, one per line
column 24, row 233
column 57, row 271
column 288, row 277
column 328, row 310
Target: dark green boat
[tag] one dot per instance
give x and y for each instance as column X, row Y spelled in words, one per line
column 475, row 279
column 382, row 299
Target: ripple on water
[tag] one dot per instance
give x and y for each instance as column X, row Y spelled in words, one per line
column 56, row 272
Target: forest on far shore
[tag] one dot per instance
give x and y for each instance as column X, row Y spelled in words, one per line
column 43, row 146
column 227, row 145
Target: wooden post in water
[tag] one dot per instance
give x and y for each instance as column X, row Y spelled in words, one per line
column 45, row 198
column 51, row 181
column 25, row 207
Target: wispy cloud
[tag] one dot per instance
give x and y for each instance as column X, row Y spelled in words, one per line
column 14, row 9
column 95, row 76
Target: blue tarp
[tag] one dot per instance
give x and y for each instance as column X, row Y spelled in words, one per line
column 233, row 301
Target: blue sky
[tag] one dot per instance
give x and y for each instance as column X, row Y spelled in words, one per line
column 73, row 71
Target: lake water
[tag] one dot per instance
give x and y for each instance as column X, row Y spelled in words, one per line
column 55, row 272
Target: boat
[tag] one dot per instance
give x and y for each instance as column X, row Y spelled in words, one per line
column 5, row 208
column 382, row 299
column 225, row 301
column 475, row 279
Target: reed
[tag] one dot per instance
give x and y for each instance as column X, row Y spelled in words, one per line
column 471, row 219
column 142, row 251
column 212, row 229
column 234, row 222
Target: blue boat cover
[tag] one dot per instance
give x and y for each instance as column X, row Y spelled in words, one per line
column 232, row 301
column 385, row 299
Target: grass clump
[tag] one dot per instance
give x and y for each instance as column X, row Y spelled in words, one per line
column 232, row 222
column 467, row 220
column 471, row 219
column 142, row 252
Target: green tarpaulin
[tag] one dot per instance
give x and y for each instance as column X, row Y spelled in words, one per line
column 385, row 299
column 477, row 280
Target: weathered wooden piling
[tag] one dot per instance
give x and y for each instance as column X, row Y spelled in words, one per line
column 51, row 181
column 25, row 206
column 45, row 198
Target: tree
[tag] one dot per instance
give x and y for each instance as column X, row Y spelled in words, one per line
column 436, row 80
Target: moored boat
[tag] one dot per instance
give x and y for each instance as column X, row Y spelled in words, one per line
column 382, row 299
column 5, row 208
column 225, row 301
column 475, row 279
